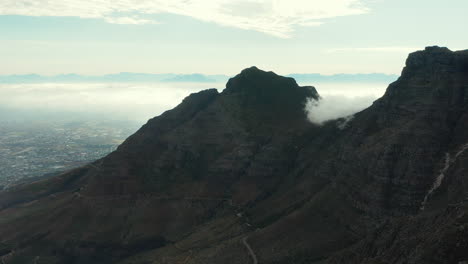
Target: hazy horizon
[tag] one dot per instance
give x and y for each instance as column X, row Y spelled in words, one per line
column 139, row 102
column 130, row 59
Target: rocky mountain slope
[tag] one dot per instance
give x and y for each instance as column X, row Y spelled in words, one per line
column 242, row 176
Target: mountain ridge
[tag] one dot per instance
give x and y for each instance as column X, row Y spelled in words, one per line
column 226, row 174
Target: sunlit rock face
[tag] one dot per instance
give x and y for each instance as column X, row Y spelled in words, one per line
column 242, row 175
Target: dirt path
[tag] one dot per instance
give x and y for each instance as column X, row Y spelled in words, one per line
column 251, row 252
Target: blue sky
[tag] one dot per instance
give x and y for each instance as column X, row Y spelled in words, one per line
column 95, row 37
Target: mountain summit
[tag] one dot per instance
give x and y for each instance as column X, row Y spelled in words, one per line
column 241, row 176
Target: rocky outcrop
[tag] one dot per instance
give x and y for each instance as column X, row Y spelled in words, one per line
column 429, row 104
column 404, row 136
column 192, row 184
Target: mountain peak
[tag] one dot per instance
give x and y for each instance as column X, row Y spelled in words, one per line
column 434, row 57
column 436, row 49
column 253, row 78
column 269, row 94
column 435, row 75
column 258, row 83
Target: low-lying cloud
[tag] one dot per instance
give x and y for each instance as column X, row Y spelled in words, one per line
column 141, row 101
column 342, row 101
column 274, row 17
column 334, row 107
column 117, row 101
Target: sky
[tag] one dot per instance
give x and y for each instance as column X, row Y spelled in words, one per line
column 95, row 37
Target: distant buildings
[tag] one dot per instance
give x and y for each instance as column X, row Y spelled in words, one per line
column 30, row 150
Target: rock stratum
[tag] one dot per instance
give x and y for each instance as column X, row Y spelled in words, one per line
column 242, row 176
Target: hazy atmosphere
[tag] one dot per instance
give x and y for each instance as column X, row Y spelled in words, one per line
column 233, row 131
column 132, row 60
column 115, row 101
column 139, row 102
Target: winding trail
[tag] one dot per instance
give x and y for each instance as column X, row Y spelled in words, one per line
column 251, row 252
column 188, row 257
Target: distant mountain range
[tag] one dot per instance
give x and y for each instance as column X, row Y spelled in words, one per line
column 363, row 77
column 171, row 77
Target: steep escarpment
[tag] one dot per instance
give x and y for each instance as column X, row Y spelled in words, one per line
column 399, row 144
column 242, row 176
column 424, row 116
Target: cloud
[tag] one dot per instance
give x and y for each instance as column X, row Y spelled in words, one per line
column 135, row 101
column 129, row 20
column 342, row 101
column 274, row 17
column 396, row 49
column 334, row 107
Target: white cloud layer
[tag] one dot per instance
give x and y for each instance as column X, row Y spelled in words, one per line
column 115, row 101
column 274, row 17
column 334, row 107
column 342, row 101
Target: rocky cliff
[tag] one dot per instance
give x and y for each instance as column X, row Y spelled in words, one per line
column 242, row 176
